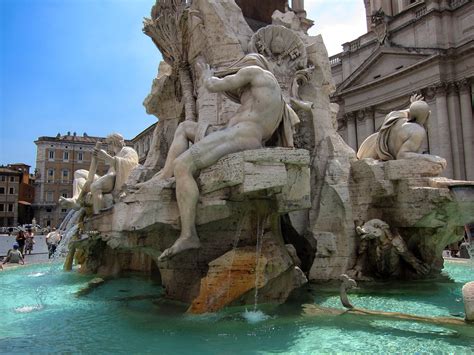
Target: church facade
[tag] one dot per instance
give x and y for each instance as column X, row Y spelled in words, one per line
column 412, row 46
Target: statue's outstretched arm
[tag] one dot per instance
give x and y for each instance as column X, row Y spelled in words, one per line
column 231, row 82
column 407, row 255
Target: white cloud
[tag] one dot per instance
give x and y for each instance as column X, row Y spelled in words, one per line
column 338, row 21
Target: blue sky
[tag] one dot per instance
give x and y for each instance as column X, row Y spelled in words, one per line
column 85, row 66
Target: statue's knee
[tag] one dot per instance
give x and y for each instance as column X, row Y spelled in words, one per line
column 183, row 166
column 184, row 127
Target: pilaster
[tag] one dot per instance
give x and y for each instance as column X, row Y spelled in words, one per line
column 444, row 138
column 467, row 126
column 455, row 130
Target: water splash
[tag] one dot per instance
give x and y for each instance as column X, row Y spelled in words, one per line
column 40, row 295
column 28, row 309
column 68, row 229
column 37, row 274
column 254, row 316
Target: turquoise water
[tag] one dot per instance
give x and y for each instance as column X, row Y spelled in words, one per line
column 40, row 313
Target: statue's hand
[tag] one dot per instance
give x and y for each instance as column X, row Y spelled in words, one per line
column 416, row 97
column 204, row 72
column 102, row 154
column 421, row 268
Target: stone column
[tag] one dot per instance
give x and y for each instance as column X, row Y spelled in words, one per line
column 351, row 131
column 360, row 127
column 369, row 121
column 432, row 127
column 466, row 121
column 454, row 130
column 443, row 129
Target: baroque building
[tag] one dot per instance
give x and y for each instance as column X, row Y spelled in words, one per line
column 16, row 195
column 412, row 46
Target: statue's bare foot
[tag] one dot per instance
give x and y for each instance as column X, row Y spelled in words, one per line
column 69, row 203
column 182, row 244
column 159, row 178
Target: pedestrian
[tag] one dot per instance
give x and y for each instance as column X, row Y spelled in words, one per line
column 29, row 241
column 14, row 256
column 52, row 241
column 21, row 240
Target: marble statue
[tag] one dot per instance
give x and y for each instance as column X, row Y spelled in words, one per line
column 401, row 135
column 380, row 252
column 263, row 110
column 121, row 163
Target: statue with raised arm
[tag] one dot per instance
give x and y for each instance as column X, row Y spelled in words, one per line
column 401, row 135
column 121, row 162
column 263, row 112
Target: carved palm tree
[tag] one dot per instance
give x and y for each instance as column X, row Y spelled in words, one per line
column 168, row 29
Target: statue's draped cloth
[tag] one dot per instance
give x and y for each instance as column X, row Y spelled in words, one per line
column 390, row 120
column 376, row 145
column 125, row 161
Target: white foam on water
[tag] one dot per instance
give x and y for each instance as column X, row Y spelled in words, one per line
column 253, row 317
column 37, row 274
column 28, row 309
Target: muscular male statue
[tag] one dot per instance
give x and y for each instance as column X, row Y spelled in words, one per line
column 250, row 83
column 401, row 135
column 121, row 163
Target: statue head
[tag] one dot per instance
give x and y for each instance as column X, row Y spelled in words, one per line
column 419, row 112
column 374, row 229
column 115, row 141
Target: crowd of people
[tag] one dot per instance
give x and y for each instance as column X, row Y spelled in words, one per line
column 24, row 244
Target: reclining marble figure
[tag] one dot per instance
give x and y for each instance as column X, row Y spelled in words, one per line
column 263, row 112
column 121, row 163
column 381, row 251
column 401, row 135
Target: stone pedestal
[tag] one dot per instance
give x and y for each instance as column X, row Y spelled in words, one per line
column 241, row 199
column 468, row 298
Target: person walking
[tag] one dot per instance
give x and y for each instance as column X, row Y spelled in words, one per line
column 29, row 242
column 21, row 240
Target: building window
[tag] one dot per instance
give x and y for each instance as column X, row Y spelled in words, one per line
column 63, row 210
column 49, row 196
column 51, row 155
column 64, row 194
column 50, row 175
column 3, row 178
column 2, row 207
column 10, row 207
column 2, row 191
column 66, row 156
column 11, row 191
column 12, row 179
column 80, row 156
column 65, row 175
column 48, row 210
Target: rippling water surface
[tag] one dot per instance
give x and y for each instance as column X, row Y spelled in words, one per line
column 40, row 313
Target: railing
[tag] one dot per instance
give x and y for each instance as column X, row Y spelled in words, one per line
column 334, row 60
column 354, row 45
column 456, row 3
column 420, row 12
